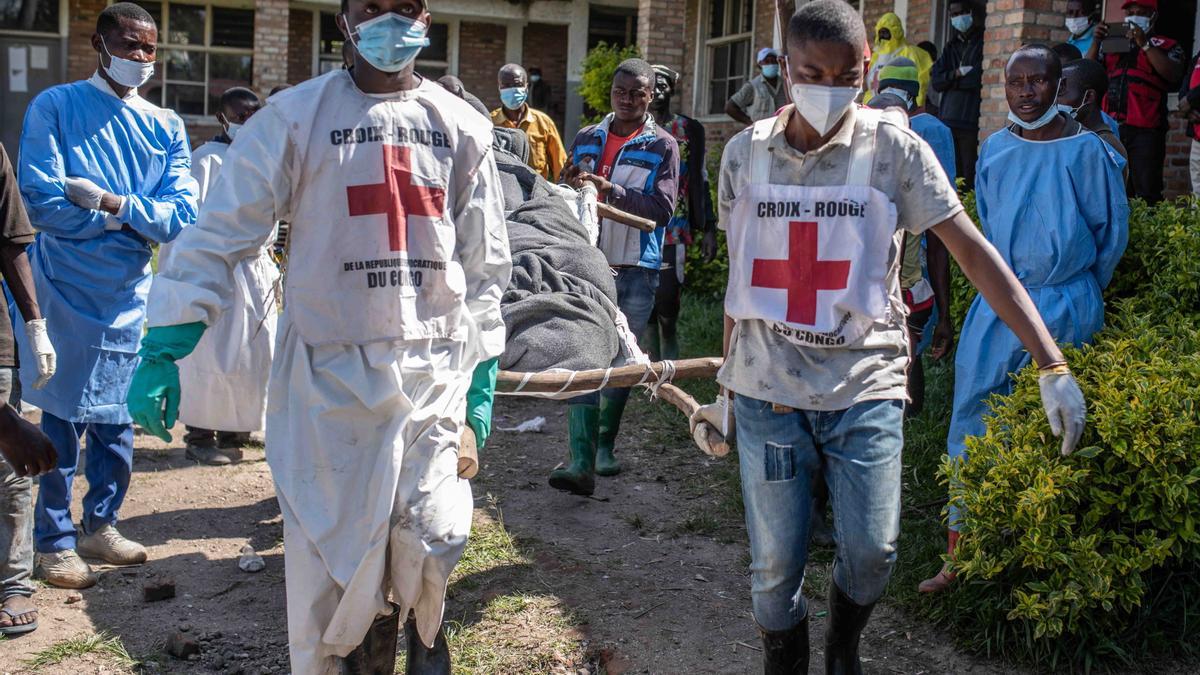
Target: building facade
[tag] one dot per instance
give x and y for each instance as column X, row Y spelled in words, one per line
column 207, row 46
column 721, row 37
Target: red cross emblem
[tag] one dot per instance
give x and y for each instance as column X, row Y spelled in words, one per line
column 801, row 274
column 397, row 196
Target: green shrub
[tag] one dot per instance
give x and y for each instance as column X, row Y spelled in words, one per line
column 1161, row 266
column 596, row 80
column 1095, row 556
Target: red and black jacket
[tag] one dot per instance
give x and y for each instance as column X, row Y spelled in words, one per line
column 1137, row 95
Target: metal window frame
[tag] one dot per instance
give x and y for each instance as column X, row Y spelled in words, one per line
column 704, row 48
column 206, row 49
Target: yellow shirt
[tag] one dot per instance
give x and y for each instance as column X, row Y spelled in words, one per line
column 546, row 153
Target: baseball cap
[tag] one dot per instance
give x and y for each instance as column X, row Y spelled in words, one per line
column 764, row 53
column 1152, row 4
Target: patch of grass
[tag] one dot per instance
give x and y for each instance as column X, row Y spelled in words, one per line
column 636, row 521
column 490, row 547
column 101, row 643
column 701, row 524
column 518, row 633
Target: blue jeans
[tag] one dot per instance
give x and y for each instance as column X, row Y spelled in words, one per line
column 636, row 288
column 780, row 454
column 109, row 464
column 16, row 510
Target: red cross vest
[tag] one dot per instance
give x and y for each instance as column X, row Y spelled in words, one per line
column 811, row 261
column 380, row 185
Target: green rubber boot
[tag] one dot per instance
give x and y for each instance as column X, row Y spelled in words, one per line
column 583, row 421
column 610, row 422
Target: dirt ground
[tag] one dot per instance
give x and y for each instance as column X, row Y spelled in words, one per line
column 648, row 576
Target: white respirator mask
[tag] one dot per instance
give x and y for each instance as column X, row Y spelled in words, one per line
column 125, row 72
column 821, row 106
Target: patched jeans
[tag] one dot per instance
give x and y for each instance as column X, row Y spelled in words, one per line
column 857, row 450
column 16, row 511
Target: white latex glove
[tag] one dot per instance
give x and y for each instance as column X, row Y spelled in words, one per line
column 715, row 415
column 39, row 342
column 1065, row 407
column 84, row 193
column 963, row 71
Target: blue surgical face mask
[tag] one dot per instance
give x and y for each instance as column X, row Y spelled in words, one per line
column 1042, row 121
column 389, row 42
column 962, row 23
column 514, row 97
column 770, row 70
column 1142, row 22
column 535, row 78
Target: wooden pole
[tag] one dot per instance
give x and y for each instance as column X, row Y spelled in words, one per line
column 706, row 437
column 550, row 382
column 618, row 216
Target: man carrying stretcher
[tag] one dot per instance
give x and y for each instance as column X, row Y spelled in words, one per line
column 398, row 257
column 816, row 349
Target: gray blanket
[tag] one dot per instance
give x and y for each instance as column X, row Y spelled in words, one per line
column 553, row 308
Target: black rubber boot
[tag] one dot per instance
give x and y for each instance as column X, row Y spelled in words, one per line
column 424, row 660
column 377, row 653
column 786, row 652
column 846, row 622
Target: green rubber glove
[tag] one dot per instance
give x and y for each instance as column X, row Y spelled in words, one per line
column 480, row 396
column 154, row 393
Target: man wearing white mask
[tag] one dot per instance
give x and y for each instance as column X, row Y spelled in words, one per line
column 398, row 255
column 225, row 379
column 105, row 175
column 546, row 153
column 1081, row 18
column 816, row 350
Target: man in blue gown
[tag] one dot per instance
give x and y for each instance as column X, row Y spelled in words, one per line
column 105, row 175
column 1051, row 199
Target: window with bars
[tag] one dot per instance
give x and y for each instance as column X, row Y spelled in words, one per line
column 203, row 50
column 729, row 31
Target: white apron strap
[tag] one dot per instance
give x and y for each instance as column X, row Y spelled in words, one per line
column 760, row 154
column 862, row 147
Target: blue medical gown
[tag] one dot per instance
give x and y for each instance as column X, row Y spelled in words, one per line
column 1057, row 213
column 939, row 137
column 91, row 282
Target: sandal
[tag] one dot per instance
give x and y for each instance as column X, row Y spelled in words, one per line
column 18, row 629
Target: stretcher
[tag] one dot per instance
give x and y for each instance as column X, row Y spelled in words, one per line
column 637, row 370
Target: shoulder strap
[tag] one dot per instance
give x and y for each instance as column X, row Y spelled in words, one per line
column 760, row 155
column 862, row 147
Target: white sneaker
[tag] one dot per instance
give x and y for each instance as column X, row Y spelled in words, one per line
column 64, row 569
column 110, row 546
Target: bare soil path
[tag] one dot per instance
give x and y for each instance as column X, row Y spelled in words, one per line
column 649, row 576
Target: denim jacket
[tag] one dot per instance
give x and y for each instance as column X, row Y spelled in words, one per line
column 645, row 177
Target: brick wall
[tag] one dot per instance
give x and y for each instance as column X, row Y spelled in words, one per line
column 81, row 24
column 542, row 46
column 481, row 52
column 270, row 44
column 1176, row 177
column 300, row 45
column 660, row 26
column 1011, row 23
column 918, row 26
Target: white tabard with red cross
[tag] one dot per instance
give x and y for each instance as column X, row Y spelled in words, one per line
column 374, row 233
column 811, row 261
